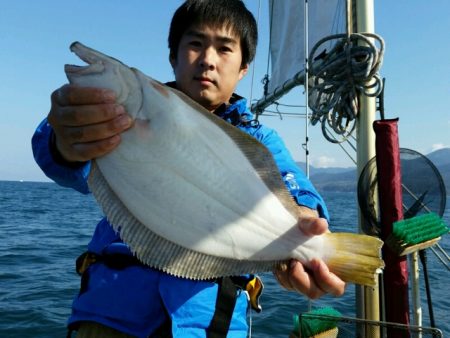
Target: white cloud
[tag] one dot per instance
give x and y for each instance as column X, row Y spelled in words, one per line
column 438, row 146
column 323, row 162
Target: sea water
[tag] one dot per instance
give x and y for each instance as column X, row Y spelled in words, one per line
column 44, row 227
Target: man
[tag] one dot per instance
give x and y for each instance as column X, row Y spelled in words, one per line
column 211, row 44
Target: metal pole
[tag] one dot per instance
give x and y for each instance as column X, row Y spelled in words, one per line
column 261, row 104
column 368, row 298
column 415, row 288
column 306, row 88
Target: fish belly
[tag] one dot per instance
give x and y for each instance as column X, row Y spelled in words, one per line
column 186, row 180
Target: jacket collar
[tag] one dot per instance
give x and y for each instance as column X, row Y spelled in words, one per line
column 235, row 113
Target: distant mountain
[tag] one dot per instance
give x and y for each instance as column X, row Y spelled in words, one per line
column 332, row 178
column 440, row 157
column 345, row 179
column 328, row 170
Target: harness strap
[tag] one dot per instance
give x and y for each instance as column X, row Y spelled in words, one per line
column 225, row 302
column 226, row 295
column 115, row 261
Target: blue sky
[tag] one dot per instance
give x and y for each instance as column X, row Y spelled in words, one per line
column 35, row 38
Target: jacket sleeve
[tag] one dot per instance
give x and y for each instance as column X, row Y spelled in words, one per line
column 299, row 185
column 67, row 176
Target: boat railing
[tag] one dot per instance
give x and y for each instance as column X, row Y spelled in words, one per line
column 355, row 327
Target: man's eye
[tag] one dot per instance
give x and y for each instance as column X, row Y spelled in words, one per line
column 195, row 43
column 225, row 49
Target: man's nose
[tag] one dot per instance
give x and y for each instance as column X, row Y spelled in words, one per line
column 208, row 58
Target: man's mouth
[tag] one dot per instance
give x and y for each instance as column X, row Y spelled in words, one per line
column 204, row 80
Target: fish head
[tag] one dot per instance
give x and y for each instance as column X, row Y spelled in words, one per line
column 103, row 71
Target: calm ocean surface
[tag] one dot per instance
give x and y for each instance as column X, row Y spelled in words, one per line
column 44, row 227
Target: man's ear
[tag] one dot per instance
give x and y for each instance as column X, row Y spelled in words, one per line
column 173, row 61
column 243, row 71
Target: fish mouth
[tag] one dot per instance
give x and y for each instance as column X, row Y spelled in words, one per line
column 93, row 59
column 89, row 69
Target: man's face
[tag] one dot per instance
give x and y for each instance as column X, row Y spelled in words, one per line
column 208, row 66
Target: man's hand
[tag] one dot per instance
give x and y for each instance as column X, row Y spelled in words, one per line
column 317, row 280
column 86, row 121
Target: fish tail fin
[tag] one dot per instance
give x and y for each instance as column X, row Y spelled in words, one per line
column 355, row 258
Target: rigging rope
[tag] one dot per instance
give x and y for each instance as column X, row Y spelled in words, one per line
column 337, row 78
column 254, row 60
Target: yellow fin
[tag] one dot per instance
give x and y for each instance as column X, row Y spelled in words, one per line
column 355, row 258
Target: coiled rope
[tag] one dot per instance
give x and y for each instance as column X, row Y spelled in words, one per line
column 338, row 77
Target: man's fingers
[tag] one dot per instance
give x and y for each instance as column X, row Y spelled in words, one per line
column 326, row 280
column 96, row 132
column 81, row 152
column 281, row 274
column 69, row 95
column 302, row 281
column 296, row 278
column 84, row 115
column 86, row 121
column 312, row 226
column 90, row 141
column 313, row 283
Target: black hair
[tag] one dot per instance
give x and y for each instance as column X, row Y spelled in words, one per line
column 215, row 13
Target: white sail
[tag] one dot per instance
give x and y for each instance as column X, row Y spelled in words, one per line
column 287, row 32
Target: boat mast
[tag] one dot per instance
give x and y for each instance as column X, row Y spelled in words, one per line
column 367, row 298
column 362, row 15
column 306, row 144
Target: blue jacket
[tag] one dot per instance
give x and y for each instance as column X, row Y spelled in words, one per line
column 149, row 293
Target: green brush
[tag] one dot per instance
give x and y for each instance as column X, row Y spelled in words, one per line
column 316, row 322
column 416, row 233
